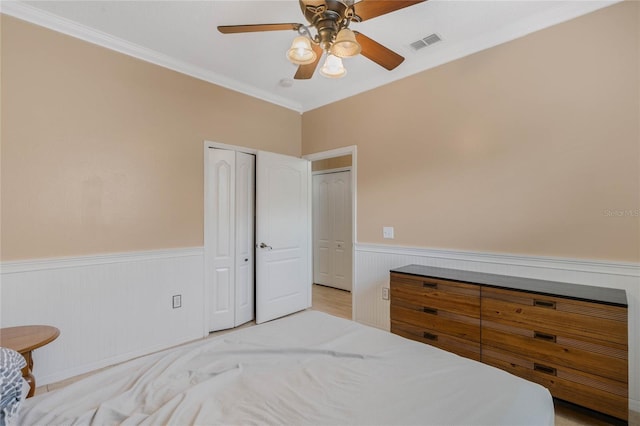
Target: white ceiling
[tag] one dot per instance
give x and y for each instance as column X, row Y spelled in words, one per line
column 182, row 35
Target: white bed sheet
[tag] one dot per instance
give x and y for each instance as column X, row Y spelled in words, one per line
column 308, row 368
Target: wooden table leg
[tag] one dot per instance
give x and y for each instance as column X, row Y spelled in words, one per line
column 28, row 375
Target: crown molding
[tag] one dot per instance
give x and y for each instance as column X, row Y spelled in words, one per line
column 564, row 11
column 25, row 12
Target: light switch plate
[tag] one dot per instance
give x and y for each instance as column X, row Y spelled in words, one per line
column 387, row 232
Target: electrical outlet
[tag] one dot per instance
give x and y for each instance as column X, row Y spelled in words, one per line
column 387, row 232
column 177, row 301
column 385, row 293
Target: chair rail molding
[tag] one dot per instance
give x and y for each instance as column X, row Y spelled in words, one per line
column 568, row 264
column 29, row 265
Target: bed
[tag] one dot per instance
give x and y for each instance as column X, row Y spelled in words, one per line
column 307, row 368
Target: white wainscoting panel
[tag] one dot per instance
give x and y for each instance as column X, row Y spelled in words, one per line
column 109, row 308
column 373, row 262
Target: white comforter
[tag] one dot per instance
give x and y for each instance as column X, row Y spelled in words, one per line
column 306, row 369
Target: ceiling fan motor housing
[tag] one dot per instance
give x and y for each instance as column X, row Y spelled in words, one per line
column 328, row 17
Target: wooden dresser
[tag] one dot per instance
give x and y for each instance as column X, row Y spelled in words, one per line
column 570, row 338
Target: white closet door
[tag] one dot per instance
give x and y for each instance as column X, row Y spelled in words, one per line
column 221, row 207
column 245, row 201
column 342, row 235
column 322, row 238
column 283, row 235
column 332, row 229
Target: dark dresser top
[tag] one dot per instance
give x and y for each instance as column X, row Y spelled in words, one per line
column 609, row 296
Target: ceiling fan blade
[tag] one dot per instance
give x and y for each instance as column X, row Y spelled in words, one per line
column 379, row 54
column 305, row 72
column 252, row 28
column 368, row 9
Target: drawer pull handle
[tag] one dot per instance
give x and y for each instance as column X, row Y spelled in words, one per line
column 544, row 369
column 544, row 336
column 544, row 304
column 430, row 336
column 430, row 311
column 429, row 285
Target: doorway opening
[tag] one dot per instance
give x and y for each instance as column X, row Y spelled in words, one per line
column 333, row 231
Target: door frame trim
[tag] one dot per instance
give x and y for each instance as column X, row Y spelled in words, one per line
column 338, row 152
column 329, row 171
column 220, row 145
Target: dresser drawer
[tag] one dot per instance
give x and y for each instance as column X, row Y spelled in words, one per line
column 556, row 315
column 601, row 394
column 593, row 356
column 460, row 326
column 432, row 293
column 437, row 338
column 567, row 337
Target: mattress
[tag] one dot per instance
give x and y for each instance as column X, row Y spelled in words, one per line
column 309, row 368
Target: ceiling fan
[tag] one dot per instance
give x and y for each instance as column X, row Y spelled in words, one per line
column 330, row 20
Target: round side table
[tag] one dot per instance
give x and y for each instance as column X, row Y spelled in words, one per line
column 24, row 339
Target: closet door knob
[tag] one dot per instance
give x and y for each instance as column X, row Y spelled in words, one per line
column 263, row 245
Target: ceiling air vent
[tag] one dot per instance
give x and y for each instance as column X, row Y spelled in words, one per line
column 424, row 42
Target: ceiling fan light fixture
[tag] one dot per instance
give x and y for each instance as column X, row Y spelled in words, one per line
column 345, row 45
column 301, row 52
column 333, row 67
column 330, row 20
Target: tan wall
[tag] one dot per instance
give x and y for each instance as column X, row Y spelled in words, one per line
column 522, row 148
column 104, row 153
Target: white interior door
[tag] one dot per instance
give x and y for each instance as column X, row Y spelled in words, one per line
column 244, row 250
column 221, row 268
column 332, row 229
column 341, row 243
column 322, row 238
column 283, row 235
